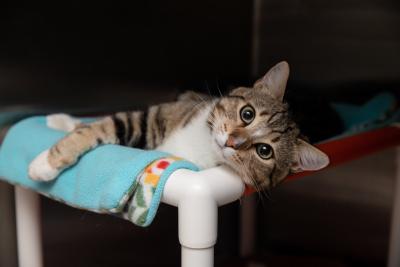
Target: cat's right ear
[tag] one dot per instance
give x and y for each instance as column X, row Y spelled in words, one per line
column 308, row 158
column 275, row 80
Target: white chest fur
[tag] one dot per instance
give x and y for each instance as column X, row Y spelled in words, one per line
column 193, row 142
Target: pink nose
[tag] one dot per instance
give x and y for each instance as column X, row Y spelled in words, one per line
column 233, row 142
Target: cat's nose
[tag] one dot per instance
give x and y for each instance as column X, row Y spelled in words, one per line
column 234, row 142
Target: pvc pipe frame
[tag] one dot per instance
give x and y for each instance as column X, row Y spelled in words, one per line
column 29, row 234
column 197, row 196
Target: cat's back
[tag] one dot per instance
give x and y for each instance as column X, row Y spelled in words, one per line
column 166, row 118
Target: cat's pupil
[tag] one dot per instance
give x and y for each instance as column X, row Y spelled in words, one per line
column 247, row 114
column 264, row 151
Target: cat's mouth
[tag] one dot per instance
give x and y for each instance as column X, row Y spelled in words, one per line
column 225, row 152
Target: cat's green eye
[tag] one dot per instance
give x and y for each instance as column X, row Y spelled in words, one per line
column 247, row 114
column 265, row 151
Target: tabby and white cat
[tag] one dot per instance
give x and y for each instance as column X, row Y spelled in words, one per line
column 248, row 130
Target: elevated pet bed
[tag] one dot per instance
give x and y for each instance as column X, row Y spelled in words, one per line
column 112, row 179
column 105, row 179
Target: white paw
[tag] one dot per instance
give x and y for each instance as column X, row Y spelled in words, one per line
column 62, row 122
column 40, row 168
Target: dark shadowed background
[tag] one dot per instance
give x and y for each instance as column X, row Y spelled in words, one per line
column 86, row 57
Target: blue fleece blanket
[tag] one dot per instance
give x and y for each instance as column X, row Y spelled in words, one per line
column 109, row 179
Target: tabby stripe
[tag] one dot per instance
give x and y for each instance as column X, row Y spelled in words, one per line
column 82, row 126
column 54, row 150
column 276, row 139
column 236, row 96
column 103, row 129
column 137, row 131
column 271, row 175
column 143, row 126
column 189, row 117
column 160, row 124
column 220, row 107
column 289, row 128
column 130, row 128
column 119, row 129
column 273, row 115
column 209, row 124
column 154, row 128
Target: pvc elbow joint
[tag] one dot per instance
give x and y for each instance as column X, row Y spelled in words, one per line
column 197, row 196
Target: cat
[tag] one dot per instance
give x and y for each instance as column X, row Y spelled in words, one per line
column 249, row 130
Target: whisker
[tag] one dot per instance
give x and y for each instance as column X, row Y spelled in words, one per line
column 208, row 88
column 266, row 193
column 255, row 184
column 216, row 79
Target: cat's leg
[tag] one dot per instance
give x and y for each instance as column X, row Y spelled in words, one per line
column 122, row 128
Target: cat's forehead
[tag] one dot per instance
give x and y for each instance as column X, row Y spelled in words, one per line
column 257, row 96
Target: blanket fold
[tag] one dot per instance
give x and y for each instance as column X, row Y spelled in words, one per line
column 112, row 179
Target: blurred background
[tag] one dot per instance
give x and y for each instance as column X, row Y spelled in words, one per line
column 81, row 57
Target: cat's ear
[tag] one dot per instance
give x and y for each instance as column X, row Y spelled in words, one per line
column 309, row 158
column 275, row 80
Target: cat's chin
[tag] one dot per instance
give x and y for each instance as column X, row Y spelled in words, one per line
column 247, row 181
column 220, row 148
column 224, row 154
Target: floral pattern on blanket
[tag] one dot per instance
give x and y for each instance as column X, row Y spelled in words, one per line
column 141, row 201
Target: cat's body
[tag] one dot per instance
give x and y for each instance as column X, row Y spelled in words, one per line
column 248, row 130
column 195, row 135
column 189, row 129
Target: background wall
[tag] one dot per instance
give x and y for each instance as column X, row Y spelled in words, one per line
column 67, row 48
column 331, row 41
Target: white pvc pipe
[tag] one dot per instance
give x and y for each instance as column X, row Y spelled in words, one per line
column 221, row 183
column 192, row 257
column 27, row 205
column 394, row 245
column 197, row 196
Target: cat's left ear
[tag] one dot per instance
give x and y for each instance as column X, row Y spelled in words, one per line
column 275, row 80
column 309, row 158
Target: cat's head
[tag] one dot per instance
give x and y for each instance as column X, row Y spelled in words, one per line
column 254, row 134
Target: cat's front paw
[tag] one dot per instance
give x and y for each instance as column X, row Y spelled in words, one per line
column 62, row 122
column 41, row 170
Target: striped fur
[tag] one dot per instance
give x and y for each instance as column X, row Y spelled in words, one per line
column 208, row 131
column 143, row 129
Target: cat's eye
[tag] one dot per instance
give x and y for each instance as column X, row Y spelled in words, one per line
column 247, row 114
column 265, row 151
